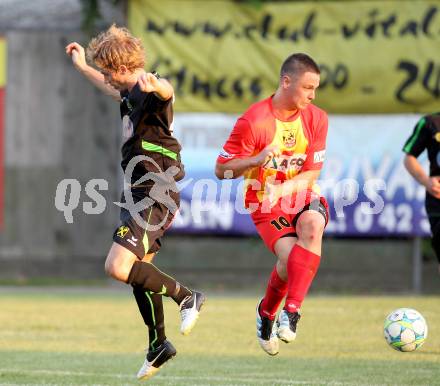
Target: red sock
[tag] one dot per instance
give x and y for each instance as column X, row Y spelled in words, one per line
column 302, row 266
column 275, row 292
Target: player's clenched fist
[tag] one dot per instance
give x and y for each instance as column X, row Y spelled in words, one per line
column 262, row 158
column 76, row 52
column 433, row 186
column 148, row 82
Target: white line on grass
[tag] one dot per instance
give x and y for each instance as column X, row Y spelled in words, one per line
column 130, row 377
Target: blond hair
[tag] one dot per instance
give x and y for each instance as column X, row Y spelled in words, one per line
column 116, row 47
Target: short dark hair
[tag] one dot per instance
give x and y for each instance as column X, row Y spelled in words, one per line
column 297, row 64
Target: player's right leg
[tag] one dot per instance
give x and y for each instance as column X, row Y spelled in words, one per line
column 302, row 264
column 286, row 322
column 435, row 243
column 270, row 231
column 307, row 217
column 119, row 264
column 159, row 349
column 155, row 359
column 432, row 206
column 151, row 308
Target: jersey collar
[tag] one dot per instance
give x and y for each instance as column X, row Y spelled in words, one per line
column 292, row 118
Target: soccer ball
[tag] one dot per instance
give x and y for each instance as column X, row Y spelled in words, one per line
column 405, row 329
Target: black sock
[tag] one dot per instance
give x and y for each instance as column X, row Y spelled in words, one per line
column 435, row 242
column 149, row 278
column 151, row 308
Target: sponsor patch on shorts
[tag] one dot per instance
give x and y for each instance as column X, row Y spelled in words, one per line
column 122, row 231
column 133, row 241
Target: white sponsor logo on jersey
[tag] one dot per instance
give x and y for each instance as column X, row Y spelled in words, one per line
column 225, row 154
column 319, row 156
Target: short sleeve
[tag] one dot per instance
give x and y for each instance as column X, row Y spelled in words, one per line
column 418, row 140
column 240, row 144
column 316, row 150
column 152, row 102
column 155, row 101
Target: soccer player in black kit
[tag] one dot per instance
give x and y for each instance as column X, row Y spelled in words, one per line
column 152, row 165
column 426, row 135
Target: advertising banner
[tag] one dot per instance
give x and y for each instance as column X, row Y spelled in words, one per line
column 367, row 187
column 375, row 56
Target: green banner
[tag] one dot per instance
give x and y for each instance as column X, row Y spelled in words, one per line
column 375, row 56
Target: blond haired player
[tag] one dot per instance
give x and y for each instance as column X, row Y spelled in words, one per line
column 151, row 158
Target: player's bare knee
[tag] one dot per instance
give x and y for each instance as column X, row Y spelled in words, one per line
column 110, row 268
column 118, row 272
column 311, row 234
column 115, row 268
column 282, row 260
column 282, row 249
column 310, row 229
column 119, row 262
column 282, row 268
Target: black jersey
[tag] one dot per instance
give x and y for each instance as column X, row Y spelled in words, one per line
column 426, row 135
column 147, row 131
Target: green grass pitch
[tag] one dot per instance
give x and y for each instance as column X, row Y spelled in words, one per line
column 72, row 337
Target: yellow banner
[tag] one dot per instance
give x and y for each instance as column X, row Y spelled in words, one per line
column 375, row 56
column 3, row 61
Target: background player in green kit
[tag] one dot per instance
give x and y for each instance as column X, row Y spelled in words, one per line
column 151, row 163
column 426, row 135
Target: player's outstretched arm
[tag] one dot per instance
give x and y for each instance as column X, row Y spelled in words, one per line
column 77, row 54
column 237, row 167
column 149, row 82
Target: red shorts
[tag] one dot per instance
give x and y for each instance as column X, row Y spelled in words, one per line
column 280, row 220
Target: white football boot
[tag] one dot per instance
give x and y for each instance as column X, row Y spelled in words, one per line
column 156, row 359
column 287, row 325
column 266, row 333
column 190, row 310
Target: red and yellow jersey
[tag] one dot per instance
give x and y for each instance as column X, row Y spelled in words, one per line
column 301, row 141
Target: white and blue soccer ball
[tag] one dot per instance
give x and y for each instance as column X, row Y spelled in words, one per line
column 405, row 329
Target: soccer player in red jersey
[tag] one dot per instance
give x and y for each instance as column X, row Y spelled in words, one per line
column 278, row 145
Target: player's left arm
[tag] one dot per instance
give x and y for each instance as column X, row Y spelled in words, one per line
column 149, row 82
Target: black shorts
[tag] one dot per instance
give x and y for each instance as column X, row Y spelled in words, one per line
column 432, row 206
column 140, row 232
